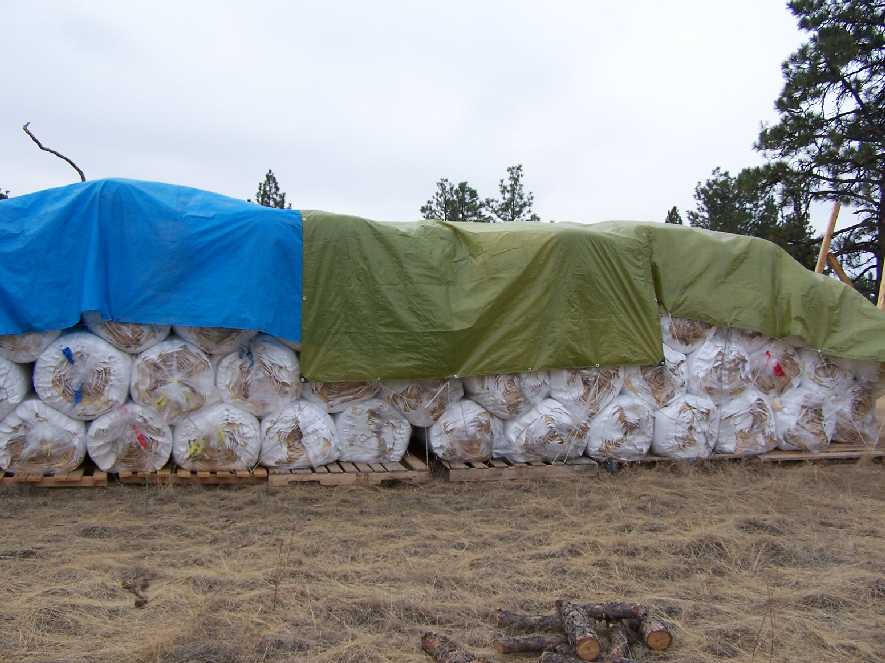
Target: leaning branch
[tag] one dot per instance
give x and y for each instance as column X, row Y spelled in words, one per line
column 51, row 151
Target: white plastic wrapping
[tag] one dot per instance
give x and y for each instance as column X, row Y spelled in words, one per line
column 750, row 341
column 336, row 396
column 40, row 440
column 299, row 435
column 622, row 430
column 25, row 348
column 174, row 378
column 805, row 420
column 684, row 335
column 82, row 376
column 658, row 385
column 825, row 371
column 128, row 337
column 863, row 371
column 719, row 369
column 747, row 425
column 422, row 401
column 261, row 377
column 546, row 432
column 775, row 367
column 129, row 438
column 686, row 428
column 586, row 391
column 218, row 437
column 372, row 431
column 15, row 385
column 292, row 345
column 508, row 396
column 215, row 340
column 855, row 412
column 466, row 431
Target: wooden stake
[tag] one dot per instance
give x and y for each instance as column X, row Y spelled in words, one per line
column 880, row 302
column 833, row 262
column 828, row 237
column 443, row 650
column 578, row 627
column 528, row 644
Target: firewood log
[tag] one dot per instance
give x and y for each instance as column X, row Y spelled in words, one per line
column 619, row 652
column 556, row 657
column 523, row 622
column 656, row 634
column 530, row 643
column 578, row 627
column 614, row 611
column 443, row 650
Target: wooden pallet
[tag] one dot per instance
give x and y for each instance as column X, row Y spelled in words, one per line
column 218, row 478
column 86, row 476
column 836, row 451
column 161, row 477
column 410, row 469
column 499, row 469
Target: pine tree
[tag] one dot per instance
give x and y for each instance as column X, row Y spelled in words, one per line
column 673, row 216
column 269, row 193
column 831, row 129
column 455, row 202
column 514, row 203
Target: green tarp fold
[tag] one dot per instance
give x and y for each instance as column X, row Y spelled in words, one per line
column 434, row 299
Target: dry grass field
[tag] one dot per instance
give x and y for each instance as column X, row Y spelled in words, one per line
column 752, row 563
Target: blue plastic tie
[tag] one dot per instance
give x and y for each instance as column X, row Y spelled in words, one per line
column 78, row 395
column 69, row 355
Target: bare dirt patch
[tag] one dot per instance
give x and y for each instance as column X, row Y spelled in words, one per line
column 752, row 564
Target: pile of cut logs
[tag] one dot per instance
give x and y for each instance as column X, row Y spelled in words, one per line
column 578, row 627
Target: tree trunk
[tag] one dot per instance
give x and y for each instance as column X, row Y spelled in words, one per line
column 530, row 643
column 578, row 627
column 603, row 611
column 443, row 650
column 519, row 621
column 656, row 634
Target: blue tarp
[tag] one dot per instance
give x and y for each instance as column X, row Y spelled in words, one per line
column 150, row 253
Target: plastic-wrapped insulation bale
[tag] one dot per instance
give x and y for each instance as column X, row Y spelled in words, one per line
column 586, row 391
column 684, row 335
column 422, row 402
column 218, row 437
column 215, row 340
column 261, row 377
column 299, row 435
column 863, row 371
column 335, row 397
column 750, row 341
column 658, row 385
column 546, row 432
column 466, row 431
column 174, row 378
column 805, row 420
column 82, row 376
column 824, row 371
column 622, row 430
column 855, row 411
column 719, row 369
column 509, row 395
column 775, row 367
column 747, row 425
column 15, row 385
column 38, row 439
column 292, row 345
column 372, row 431
column 25, row 348
column 686, row 428
column 129, row 438
column 128, row 337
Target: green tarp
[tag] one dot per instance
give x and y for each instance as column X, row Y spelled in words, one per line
column 434, row 299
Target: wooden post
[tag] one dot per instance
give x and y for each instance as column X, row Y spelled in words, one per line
column 880, row 302
column 828, row 237
column 833, row 262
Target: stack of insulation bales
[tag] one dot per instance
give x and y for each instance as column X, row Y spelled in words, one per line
column 132, row 396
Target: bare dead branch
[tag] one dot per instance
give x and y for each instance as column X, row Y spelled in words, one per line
column 51, row 151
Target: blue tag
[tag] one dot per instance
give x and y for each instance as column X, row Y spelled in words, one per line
column 78, row 395
column 69, row 355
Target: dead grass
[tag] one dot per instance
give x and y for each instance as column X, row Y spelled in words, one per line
column 752, row 563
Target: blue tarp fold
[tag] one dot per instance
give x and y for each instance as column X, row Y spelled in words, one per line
column 150, row 253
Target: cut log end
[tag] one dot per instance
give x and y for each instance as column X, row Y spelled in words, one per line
column 578, row 627
column 587, row 648
column 656, row 634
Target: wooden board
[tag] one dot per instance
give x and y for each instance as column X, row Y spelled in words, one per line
column 164, row 476
column 499, row 469
column 410, row 469
column 86, row 476
column 181, row 476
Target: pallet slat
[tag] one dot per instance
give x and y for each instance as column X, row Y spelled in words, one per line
column 344, row 473
column 87, row 476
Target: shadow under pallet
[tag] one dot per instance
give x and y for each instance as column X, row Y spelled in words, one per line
column 410, row 469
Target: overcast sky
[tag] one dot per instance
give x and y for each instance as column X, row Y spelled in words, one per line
column 616, row 109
